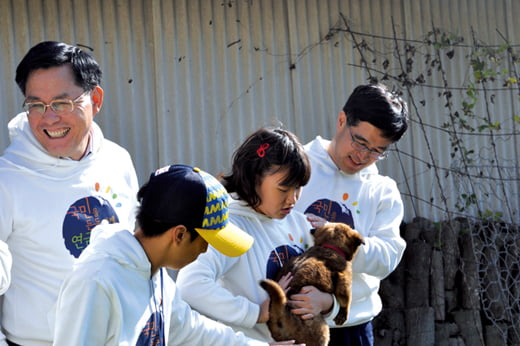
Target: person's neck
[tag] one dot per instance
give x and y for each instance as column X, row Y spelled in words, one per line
column 148, row 245
column 330, row 150
column 88, row 147
column 86, row 151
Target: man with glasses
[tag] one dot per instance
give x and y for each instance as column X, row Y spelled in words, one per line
column 345, row 186
column 59, row 178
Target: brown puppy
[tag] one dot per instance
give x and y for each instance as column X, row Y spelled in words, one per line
column 327, row 266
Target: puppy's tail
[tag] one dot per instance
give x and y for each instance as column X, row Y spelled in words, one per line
column 279, row 314
column 275, row 292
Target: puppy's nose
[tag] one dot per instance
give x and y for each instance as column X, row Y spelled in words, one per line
column 313, row 230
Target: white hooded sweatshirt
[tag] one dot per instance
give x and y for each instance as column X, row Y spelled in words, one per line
column 111, row 298
column 371, row 204
column 227, row 289
column 48, row 208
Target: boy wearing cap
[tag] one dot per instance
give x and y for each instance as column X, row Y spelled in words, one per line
column 119, row 291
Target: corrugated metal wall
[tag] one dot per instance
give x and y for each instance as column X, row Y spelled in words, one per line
column 186, row 80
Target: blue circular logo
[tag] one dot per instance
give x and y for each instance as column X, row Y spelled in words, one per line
column 279, row 257
column 331, row 211
column 82, row 216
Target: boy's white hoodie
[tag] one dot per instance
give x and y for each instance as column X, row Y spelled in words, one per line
column 112, row 291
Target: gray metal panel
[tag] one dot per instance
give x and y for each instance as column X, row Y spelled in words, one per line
column 186, row 80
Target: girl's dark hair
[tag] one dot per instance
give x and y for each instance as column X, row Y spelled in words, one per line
column 264, row 152
column 44, row 55
column 376, row 105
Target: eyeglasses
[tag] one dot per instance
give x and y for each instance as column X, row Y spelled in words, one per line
column 59, row 106
column 377, row 155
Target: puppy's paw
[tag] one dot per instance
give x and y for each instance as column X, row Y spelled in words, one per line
column 341, row 317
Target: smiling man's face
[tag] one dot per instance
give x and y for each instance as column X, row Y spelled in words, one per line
column 342, row 151
column 63, row 135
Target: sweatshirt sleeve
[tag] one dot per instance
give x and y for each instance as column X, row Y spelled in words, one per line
column 6, row 222
column 82, row 303
column 384, row 246
column 199, row 287
column 188, row 327
column 6, row 263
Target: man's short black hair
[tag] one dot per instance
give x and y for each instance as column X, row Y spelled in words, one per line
column 376, row 105
column 48, row 54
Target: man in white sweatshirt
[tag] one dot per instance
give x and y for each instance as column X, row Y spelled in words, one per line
column 59, row 178
column 120, row 293
column 345, row 186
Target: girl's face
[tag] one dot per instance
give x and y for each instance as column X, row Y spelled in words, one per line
column 277, row 200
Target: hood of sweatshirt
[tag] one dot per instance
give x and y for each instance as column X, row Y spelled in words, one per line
column 317, row 152
column 118, row 243
column 25, row 153
column 240, row 208
column 252, row 221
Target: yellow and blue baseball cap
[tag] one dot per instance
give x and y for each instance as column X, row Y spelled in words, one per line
column 185, row 195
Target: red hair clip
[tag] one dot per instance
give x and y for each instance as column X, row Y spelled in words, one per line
column 261, row 150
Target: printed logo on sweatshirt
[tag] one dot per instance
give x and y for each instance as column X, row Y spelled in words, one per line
column 82, row 216
column 153, row 332
column 108, row 191
column 331, row 211
column 279, row 257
